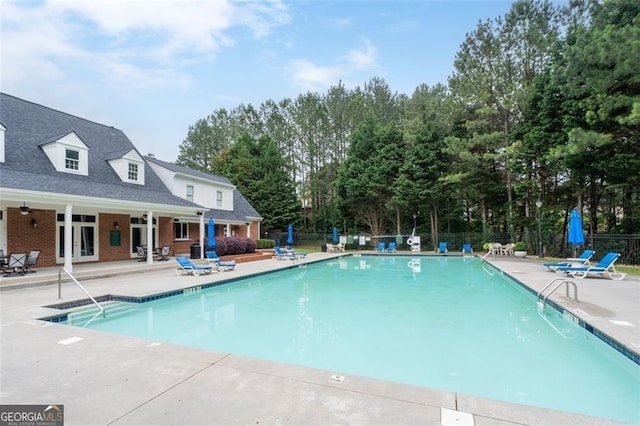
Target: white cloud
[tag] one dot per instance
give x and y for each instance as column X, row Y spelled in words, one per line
column 130, row 37
column 133, row 77
column 33, row 53
column 362, row 58
column 356, row 64
column 309, row 77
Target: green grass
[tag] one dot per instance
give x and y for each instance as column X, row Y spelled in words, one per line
column 630, row 270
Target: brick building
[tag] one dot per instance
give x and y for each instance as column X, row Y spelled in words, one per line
column 70, row 182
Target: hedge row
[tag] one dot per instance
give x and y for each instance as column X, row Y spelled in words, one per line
column 233, row 245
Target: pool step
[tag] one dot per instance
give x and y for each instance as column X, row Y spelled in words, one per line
column 112, row 309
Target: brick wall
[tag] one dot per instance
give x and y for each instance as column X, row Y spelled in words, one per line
column 110, row 252
column 22, row 237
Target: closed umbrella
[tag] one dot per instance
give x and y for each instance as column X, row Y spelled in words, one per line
column 335, row 235
column 576, row 236
column 290, row 235
column 211, row 234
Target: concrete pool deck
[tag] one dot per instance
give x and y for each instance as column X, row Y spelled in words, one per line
column 102, row 378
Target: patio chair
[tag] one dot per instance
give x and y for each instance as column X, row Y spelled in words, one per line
column 507, row 249
column 190, row 268
column 163, row 254
column 582, row 260
column 212, row 256
column 391, row 248
column 4, row 260
column 604, row 268
column 16, row 264
column 466, row 248
column 32, row 259
column 495, row 248
column 380, row 247
column 142, row 253
column 443, row 247
column 280, row 255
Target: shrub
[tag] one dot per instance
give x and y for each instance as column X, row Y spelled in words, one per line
column 519, row 246
column 487, row 246
column 221, row 246
column 250, row 246
column 235, row 245
column 265, row 244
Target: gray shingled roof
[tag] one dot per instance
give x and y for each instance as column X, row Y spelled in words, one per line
column 27, row 167
column 189, row 172
column 242, row 210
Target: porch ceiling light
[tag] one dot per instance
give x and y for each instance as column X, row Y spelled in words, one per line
column 24, row 210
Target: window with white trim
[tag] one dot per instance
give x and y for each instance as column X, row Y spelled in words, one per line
column 190, row 193
column 71, row 159
column 181, row 231
column 219, row 199
column 133, row 171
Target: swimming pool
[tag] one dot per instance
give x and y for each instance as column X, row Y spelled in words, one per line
column 451, row 323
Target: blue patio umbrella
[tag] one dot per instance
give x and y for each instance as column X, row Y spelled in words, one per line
column 575, row 236
column 335, row 235
column 290, row 235
column 211, row 234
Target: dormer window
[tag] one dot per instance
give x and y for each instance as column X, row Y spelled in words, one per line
column 72, row 159
column 133, row 172
column 129, row 166
column 68, row 154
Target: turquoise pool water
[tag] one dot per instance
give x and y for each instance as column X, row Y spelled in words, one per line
column 450, row 323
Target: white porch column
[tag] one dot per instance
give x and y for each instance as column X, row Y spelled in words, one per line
column 201, row 236
column 150, row 246
column 68, row 239
column 248, row 229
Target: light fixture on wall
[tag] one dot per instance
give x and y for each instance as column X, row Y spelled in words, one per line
column 175, row 219
column 24, row 210
column 116, row 225
column 34, row 223
column 200, row 213
column 144, row 217
column 247, row 223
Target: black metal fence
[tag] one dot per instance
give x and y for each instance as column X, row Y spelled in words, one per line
column 553, row 245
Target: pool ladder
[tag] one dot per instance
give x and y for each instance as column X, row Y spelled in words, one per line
column 558, row 281
column 78, row 284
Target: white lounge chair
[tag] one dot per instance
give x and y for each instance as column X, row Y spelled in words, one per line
column 280, row 255
column 228, row 265
column 582, row 260
column 185, row 265
column 604, row 268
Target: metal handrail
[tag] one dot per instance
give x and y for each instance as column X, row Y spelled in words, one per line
column 79, row 285
column 542, row 302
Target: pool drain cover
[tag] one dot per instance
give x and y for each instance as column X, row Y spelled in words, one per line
column 337, row 378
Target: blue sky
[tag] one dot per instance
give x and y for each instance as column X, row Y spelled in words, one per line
column 153, row 68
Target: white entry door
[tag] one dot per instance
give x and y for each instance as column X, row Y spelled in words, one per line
column 139, row 235
column 84, row 231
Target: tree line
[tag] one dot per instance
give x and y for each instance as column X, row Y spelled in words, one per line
column 543, row 108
